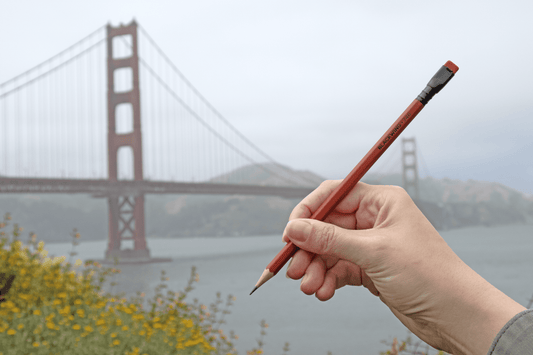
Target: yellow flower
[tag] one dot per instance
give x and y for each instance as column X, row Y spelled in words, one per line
column 58, row 259
column 78, row 262
column 78, row 302
column 20, row 326
column 11, row 331
column 88, row 328
column 62, row 295
column 50, row 325
column 116, row 342
column 17, row 244
column 187, row 322
column 80, row 313
column 35, row 344
column 125, row 327
column 113, row 335
column 65, row 310
column 76, row 327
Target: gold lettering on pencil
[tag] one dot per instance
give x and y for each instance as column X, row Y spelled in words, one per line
column 393, row 132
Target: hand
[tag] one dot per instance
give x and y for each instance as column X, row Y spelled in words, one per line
column 377, row 237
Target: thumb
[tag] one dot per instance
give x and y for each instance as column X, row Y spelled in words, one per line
column 327, row 239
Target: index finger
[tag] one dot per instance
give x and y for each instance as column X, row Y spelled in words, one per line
column 311, row 202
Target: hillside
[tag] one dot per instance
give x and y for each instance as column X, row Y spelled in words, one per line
column 467, row 203
column 169, row 216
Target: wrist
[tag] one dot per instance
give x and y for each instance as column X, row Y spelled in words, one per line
column 478, row 312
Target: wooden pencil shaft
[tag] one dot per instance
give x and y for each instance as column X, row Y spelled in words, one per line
column 439, row 80
column 352, row 179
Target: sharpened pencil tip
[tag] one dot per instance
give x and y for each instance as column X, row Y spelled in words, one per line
column 255, row 288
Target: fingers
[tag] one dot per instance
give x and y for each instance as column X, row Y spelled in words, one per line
column 349, row 204
column 330, row 240
column 321, row 281
column 314, row 276
column 311, row 202
column 299, row 264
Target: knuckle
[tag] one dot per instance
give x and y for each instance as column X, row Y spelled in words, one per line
column 326, row 238
column 328, row 184
column 398, row 193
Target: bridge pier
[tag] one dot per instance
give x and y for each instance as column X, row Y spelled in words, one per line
column 126, row 212
column 126, row 222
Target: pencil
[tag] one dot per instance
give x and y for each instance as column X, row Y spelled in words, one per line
column 439, row 80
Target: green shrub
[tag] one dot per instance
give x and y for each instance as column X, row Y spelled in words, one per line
column 54, row 308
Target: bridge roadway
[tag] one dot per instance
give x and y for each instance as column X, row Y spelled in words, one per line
column 105, row 188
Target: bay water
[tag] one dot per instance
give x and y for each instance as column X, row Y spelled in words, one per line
column 352, row 322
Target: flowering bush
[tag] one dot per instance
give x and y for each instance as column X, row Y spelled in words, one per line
column 53, row 308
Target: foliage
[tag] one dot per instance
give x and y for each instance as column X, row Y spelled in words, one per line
column 407, row 346
column 52, row 308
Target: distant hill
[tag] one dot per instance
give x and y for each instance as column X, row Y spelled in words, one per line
column 471, row 202
column 269, row 174
column 219, row 215
column 53, row 217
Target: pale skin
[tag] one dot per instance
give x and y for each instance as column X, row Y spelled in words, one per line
column 377, row 238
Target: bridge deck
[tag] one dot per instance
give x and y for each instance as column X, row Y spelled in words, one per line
column 104, row 188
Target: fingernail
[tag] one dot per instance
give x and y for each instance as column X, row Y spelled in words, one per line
column 300, row 230
column 288, row 266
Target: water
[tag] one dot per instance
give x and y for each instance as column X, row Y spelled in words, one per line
column 353, row 322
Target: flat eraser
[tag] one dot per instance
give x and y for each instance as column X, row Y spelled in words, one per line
column 454, row 68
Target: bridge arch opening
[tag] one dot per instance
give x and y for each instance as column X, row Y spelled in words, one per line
column 122, row 46
column 124, row 118
column 409, row 159
column 123, row 79
column 125, row 163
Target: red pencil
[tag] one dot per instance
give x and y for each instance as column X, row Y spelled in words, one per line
column 439, row 80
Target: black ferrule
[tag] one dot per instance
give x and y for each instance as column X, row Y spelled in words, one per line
column 435, row 84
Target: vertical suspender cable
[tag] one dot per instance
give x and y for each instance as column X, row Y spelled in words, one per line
column 75, row 120
column 14, row 139
column 4, row 122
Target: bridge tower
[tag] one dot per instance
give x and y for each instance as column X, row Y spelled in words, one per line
column 126, row 212
column 410, row 168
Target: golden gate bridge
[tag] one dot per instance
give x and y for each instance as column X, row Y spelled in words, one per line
column 56, row 138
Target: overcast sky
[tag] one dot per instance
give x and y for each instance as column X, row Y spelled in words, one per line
column 316, row 83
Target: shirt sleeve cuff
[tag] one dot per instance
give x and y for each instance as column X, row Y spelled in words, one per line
column 516, row 337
